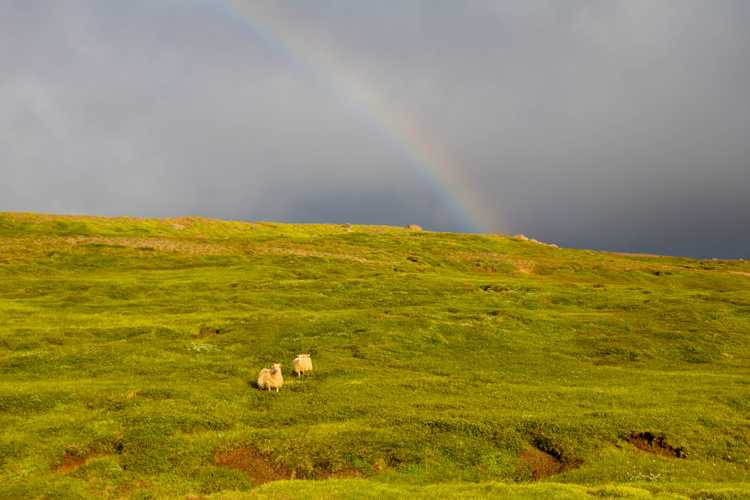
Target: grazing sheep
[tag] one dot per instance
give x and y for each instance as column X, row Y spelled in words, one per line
column 270, row 378
column 301, row 364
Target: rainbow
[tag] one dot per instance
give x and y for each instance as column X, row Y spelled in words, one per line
column 284, row 36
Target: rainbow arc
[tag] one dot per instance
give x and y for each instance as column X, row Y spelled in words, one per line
column 285, row 37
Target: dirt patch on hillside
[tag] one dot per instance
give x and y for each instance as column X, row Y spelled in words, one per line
column 260, row 468
column 740, row 272
column 540, row 463
column 77, row 454
column 76, row 457
column 71, row 462
column 656, row 444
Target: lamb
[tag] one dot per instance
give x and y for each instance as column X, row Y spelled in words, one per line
column 301, row 364
column 270, row 378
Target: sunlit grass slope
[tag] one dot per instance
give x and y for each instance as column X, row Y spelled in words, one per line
column 445, row 365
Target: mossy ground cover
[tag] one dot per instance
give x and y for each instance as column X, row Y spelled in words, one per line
column 445, row 365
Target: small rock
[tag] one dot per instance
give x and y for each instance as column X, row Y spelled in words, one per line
column 533, row 240
column 554, row 246
column 521, row 237
column 314, row 236
column 413, row 227
column 348, row 229
column 179, row 227
column 346, row 225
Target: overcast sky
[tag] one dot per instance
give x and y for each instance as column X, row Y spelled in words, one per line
column 618, row 125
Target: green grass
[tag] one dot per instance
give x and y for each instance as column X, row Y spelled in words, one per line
column 130, row 349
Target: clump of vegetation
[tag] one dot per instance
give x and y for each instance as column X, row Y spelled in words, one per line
column 446, row 365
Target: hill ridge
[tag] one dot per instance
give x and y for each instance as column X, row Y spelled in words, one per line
column 130, row 347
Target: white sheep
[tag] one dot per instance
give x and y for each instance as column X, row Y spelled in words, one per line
column 298, row 364
column 308, row 362
column 301, row 364
column 270, row 378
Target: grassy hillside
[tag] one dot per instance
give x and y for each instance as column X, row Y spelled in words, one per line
column 445, row 365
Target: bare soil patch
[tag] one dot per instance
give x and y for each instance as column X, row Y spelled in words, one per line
column 541, row 464
column 656, row 444
column 260, row 468
column 77, row 455
column 71, row 462
column 74, row 459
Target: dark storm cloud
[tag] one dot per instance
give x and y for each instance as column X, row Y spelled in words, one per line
column 131, row 112
column 607, row 125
